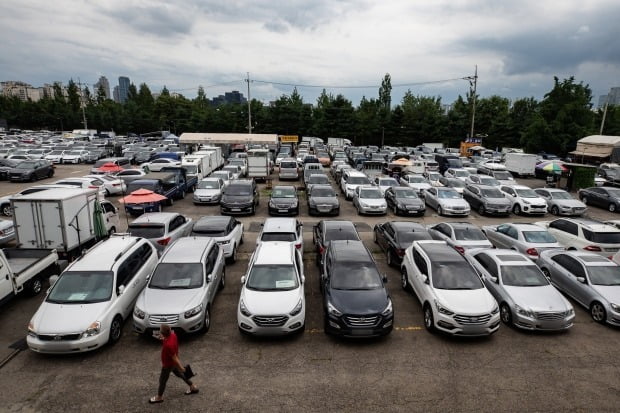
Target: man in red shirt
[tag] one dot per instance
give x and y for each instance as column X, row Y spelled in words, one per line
column 170, row 363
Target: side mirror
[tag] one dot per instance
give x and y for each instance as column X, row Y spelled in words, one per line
column 581, row 280
column 425, row 279
column 493, row 279
column 243, row 280
column 53, row 279
column 384, row 278
column 303, row 279
column 120, row 290
column 209, row 278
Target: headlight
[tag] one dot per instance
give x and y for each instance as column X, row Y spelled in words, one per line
column 388, row 309
column 271, row 204
column 442, row 309
column 495, row 309
column 312, row 202
column 92, row 330
column 297, row 308
column 364, row 205
column 138, row 313
column 31, row 331
column 526, row 202
column 244, row 309
column 615, row 307
column 333, row 310
column 524, row 312
column 225, row 242
column 571, row 311
column 193, row 311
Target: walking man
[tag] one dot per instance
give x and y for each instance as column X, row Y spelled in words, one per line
column 170, row 363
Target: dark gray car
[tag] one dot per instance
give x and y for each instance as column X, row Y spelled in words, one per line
column 239, row 197
column 487, row 200
column 283, row 200
column 404, row 201
column 323, row 200
column 31, row 170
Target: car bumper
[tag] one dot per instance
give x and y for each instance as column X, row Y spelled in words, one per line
column 449, row 325
column 152, row 322
column 407, row 211
column 19, row 178
column 371, row 210
column 283, row 211
column 253, row 325
column 224, row 209
column 568, row 211
column 532, row 210
column 324, row 210
column 288, row 176
column 338, row 326
column 139, row 209
column 455, row 212
column 7, row 237
column 497, row 210
column 206, row 200
column 70, row 161
column 67, row 346
column 528, row 323
column 227, row 248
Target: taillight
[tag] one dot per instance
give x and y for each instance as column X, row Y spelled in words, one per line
column 592, row 248
column 164, row 241
column 460, row 249
column 321, row 250
column 532, row 251
column 400, row 252
column 298, row 246
column 93, row 187
column 116, row 184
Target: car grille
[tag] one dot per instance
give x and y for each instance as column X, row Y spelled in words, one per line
column 472, row 320
column 283, row 206
column 547, row 316
column 163, row 318
column 360, row 321
column 458, row 208
column 58, row 337
column 538, row 206
column 270, row 321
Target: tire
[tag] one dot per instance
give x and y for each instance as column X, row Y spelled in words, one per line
column 516, row 209
column 395, row 209
column 50, row 173
column 206, row 322
column 35, row 286
column 6, row 210
column 584, row 199
column 404, row 281
column 223, row 279
column 374, row 237
column 183, row 194
column 116, row 330
column 555, row 210
column 241, row 240
column 439, row 210
column 390, row 258
column 429, row 322
column 233, row 257
column 611, row 207
column 253, row 211
column 170, row 201
column 597, row 312
column 505, row 314
column 481, row 210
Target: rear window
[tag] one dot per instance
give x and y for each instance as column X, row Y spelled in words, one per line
column 147, row 230
column 279, row 236
column 288, row 165
column 469, row 234
column 602, row 237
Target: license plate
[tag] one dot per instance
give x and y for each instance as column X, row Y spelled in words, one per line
column 362, row 332
column 282, row 210
column 235, row 209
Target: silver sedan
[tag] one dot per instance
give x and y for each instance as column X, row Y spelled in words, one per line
column 560, row 202
column 446, row 201
column 369, row 200
column 529, row 239
column 526, row 298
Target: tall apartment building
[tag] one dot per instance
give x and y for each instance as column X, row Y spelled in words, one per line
column 25, row 91
column 229, row 97
column 116, row 95
column 103, row 82
column 123, row 88
column 613, row 97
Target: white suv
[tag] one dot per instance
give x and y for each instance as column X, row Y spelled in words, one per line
column 523, row 199
column 282, row 229
column 86, row 306
column 272, row 300
column 351, row 179
column 585, row 234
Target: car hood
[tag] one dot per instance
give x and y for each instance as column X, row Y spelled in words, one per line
column 359, row 301
column 372, row 201
column 419, row 185
column 453, row 202
column 497, row 201
column 156, row 301
column 325, row 200
column 538, row 299
column 207, row 192
column 468, row 302
column 270, row 302
column 235, row 199
column 610, row 292
column 535, row 201
column 21, row 169
column 572, row 203
column 282, row 201
column 53, row 318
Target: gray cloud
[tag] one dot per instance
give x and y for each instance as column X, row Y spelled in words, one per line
column 276, row 27
column 162, row 20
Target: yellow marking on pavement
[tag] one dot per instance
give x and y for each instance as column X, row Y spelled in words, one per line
column 407, row 328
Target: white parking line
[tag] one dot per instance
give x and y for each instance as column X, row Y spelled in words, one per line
column 76, row 172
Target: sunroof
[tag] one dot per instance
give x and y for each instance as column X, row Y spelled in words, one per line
column 513, row 257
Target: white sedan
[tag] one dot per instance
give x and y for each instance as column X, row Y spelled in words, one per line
column 113, row 185
column 157, row 164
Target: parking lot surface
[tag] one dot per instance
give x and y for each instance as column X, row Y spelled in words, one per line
column 409, row 370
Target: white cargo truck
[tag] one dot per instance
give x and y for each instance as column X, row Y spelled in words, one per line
column 259, row 164
column 25, row 270
column 61, row 219
column 217, row 158
column 198, row 166
column 520, row 164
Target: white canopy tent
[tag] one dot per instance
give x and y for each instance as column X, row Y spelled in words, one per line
column 596, row 146
column 228, row 138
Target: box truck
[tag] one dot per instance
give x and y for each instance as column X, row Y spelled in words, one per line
column 25, row 270
column 520, row 164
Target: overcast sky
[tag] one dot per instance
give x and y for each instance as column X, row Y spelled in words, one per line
column 518, row 45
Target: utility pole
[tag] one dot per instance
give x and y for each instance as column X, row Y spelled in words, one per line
column 82, row 104
column 473, row 82
column 249, row 106
column 604, row 116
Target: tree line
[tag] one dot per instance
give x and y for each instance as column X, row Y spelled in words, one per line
column 553, row 124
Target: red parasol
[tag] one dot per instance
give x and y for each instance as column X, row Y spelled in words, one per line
column 109, row 167
column 142, row 196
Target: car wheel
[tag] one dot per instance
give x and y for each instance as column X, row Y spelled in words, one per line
column 374, row 237
column 206, row 322
column 429, row 322
column 233, row 257
column 481, row 210
column 390, row 258
column 555, row 210
column 182, row 194
column 597, row 311
column 116, row 330
column 395, row 209
column 584, row 199
column 516, row 209
column 439, row 211
column 35, row 286
column 50, row 173
column 170, row 201
column 404, row 280
column 6, row 210
column 223, row 279
column 611, row 207
column 253, row 211
column 505, row 314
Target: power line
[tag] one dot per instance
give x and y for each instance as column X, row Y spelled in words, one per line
column 358, row 86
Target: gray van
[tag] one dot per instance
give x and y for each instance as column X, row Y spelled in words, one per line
column 289, row 169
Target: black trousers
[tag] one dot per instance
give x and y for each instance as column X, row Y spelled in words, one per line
column 165, row 374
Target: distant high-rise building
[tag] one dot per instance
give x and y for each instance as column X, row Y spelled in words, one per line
column 123, row 88
column 612, row 98
column 229, row 97
column 116, row 95
column 103, row 82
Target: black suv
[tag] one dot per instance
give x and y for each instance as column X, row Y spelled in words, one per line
column 31, row 170
column 239, row 197
column 355, row 300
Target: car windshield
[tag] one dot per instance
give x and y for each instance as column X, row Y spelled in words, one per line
column 522, row 276
column 434, row 176
column 334, row 234
column 492, row 193
column 191, row 169
column 175, row 276
column 288, row 165
column 81, row 287
column 456, row 183
column 542, row 237
column 504, row 176
column 604, row 275
column 223, row 175
column 526, row 193
column 448, row 194
column 561, row 195
column 318, row 179
column 72, row 153
column 272, row 278
column 469, row 234
column 370, row 194
column 211, row 230
column 602, row 237
column 355, row 276
column 417, row 180
column 322, row 192
column 279, row 236
column 239, row 190
column 489, row 181
column 388, row 182
column 147, row 230
column 56, row 152
column 614, row 192
column 358, row 180
column 208, row 185
column 406, row 193
column 461, row 174
column 26, row 165
column 454, row 275
column 283, row 193
column 410, row 236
